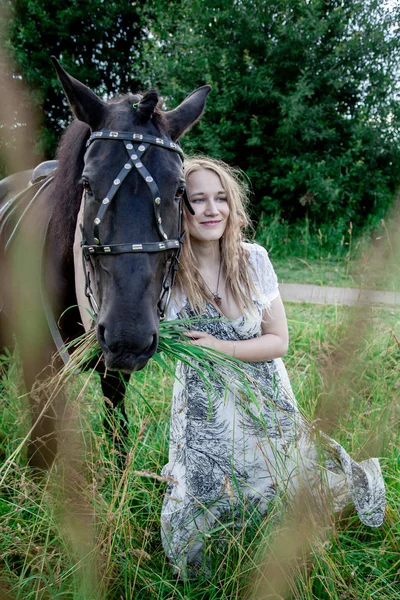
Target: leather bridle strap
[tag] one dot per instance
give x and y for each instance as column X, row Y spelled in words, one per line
column 135, row 152
column 136, row 145
column 135, row 137
column 124, row 248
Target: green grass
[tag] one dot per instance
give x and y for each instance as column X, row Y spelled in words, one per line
column 317, row 271
column 302, row 253
column 90, row 530
column 328, row 271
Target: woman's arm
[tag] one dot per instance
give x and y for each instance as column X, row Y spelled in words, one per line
column 273, row 343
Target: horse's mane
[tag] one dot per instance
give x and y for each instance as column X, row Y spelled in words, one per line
column 70, row 154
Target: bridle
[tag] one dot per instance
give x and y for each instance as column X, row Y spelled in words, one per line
column 136, row 145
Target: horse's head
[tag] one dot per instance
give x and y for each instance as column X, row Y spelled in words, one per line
column 133, row 187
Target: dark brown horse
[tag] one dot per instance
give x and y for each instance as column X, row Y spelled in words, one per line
column 120, row 160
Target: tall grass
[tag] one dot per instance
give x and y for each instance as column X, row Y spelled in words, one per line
column 336, row 254
column 336, row 240
column 90, row 529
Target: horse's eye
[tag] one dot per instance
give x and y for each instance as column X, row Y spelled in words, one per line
column 86, row 185
column 180, row 191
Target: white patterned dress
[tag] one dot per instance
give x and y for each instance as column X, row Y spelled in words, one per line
column 226, row 447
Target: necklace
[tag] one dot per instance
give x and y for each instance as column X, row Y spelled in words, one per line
column 216, row 297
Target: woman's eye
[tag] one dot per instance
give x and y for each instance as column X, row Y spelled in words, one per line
column 221, row 199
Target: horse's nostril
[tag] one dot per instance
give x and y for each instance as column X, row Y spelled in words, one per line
column 153, row 346
column 101, row 334
column 108, row 340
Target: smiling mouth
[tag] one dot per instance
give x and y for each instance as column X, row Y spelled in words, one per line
column 208, row 223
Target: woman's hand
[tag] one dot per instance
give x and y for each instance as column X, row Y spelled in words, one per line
column 200, row 338
column 272, row 343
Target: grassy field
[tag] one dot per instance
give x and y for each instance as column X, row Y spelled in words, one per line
column 90, row 530
column 366, row 259
column 319, row 271
column 334, row 272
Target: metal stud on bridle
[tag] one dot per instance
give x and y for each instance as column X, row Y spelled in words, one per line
column 130, row 141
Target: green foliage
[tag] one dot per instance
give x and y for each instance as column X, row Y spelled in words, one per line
column 95, row 42
column 304, row 99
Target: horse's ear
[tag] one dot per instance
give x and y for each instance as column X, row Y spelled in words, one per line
column 187, row 113
column 85, row 105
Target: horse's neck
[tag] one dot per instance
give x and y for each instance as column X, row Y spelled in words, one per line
column 67, row 188
column 80, row 280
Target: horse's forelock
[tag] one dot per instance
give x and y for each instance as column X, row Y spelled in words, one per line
column 145, row 107
column 148, row 106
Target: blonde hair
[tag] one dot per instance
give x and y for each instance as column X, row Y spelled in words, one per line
column 234, row 256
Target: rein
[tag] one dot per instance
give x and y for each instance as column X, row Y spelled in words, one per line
column 136, row 145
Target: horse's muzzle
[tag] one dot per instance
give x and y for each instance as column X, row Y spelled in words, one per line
column 122, row 354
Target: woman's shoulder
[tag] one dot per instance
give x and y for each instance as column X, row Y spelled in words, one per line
column 256, row 252
column 253, row 247
column 263, row 273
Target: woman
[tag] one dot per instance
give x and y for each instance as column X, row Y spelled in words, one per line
column 227, row 449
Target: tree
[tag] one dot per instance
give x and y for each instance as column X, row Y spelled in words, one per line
column 98, row 43
column 304, row 98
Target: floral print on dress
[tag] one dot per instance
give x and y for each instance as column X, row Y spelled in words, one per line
column 226, row 447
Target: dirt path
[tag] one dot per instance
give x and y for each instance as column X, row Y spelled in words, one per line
column 315, row 294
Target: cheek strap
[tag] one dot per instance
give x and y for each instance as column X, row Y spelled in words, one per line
column 187, row 203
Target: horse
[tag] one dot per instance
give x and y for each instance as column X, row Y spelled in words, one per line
column 120, row 167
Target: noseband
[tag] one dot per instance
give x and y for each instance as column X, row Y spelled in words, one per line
column 136, row 145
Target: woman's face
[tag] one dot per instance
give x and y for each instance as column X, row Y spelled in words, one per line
column 209, row 201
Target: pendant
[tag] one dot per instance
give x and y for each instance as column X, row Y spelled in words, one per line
column 217, row 299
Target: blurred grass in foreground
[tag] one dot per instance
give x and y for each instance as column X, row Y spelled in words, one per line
column 101, row 539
